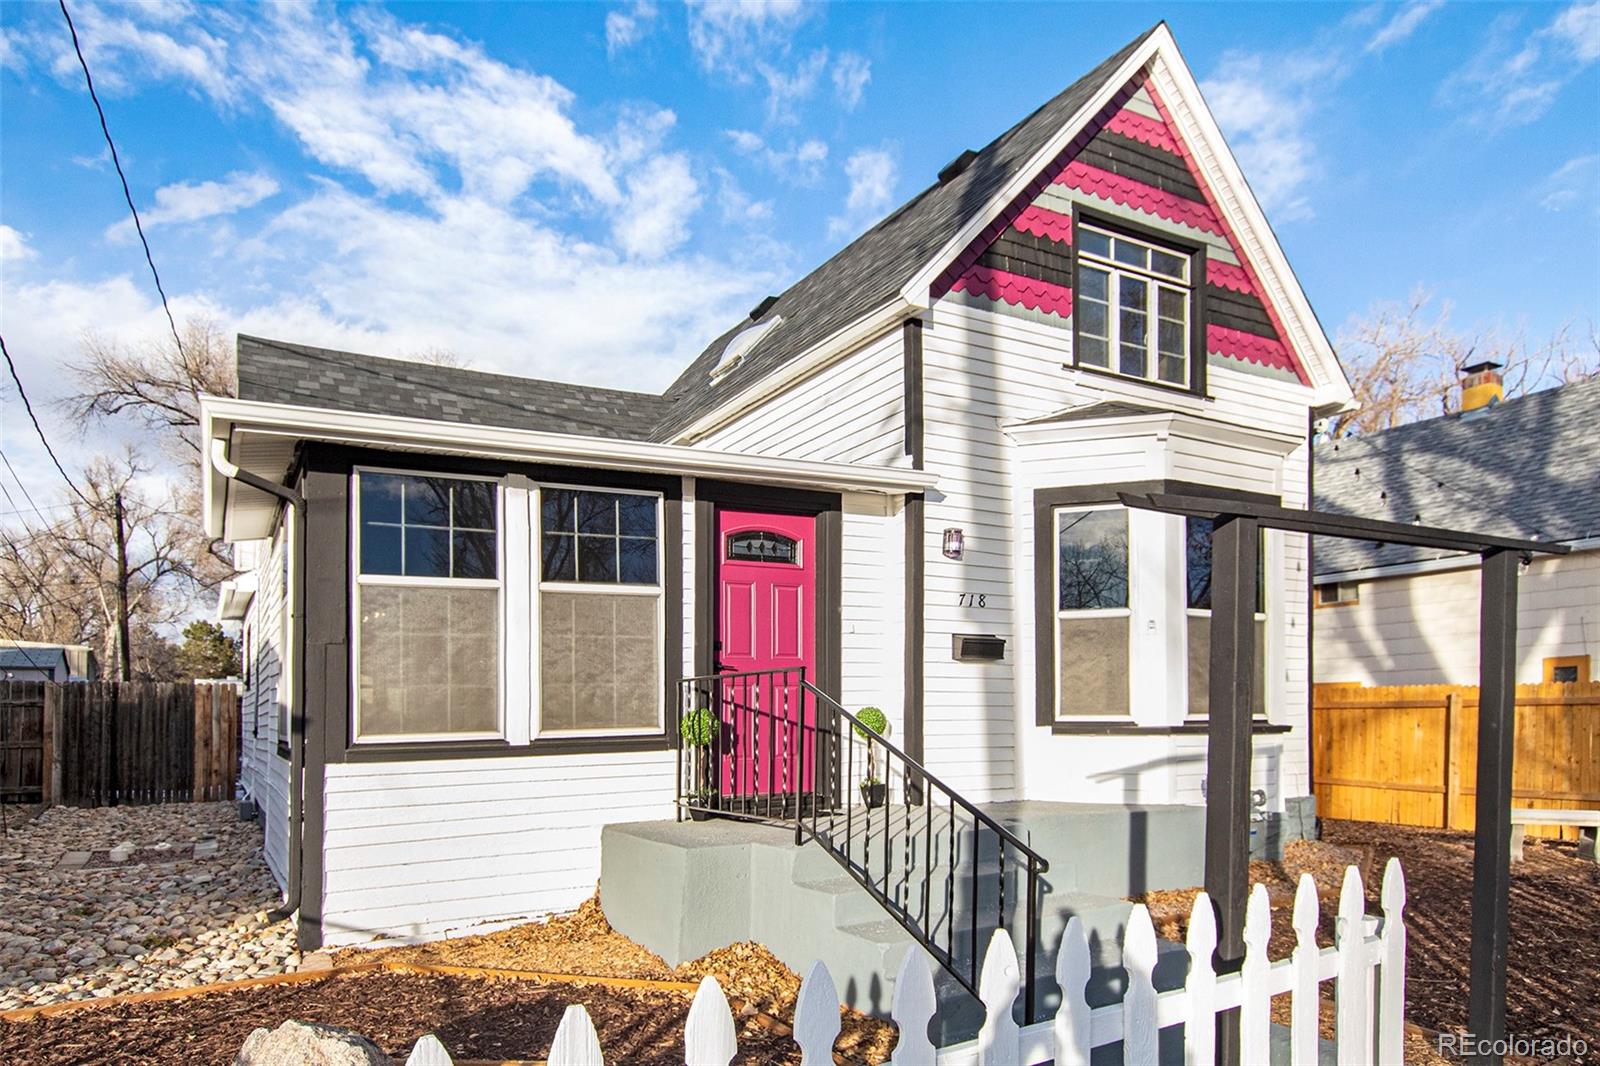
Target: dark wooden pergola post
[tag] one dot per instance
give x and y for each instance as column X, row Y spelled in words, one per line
column 1235, row 543
column 1234, row 548
column 1491, row 864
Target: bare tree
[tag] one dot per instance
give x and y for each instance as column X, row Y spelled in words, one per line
column 154, row 382
column 437, row 356
column 1404, row 363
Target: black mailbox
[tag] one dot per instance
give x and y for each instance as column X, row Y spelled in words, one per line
column 977, row 647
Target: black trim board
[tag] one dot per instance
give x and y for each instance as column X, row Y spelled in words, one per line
column 827, row 509
column 1045, row 501
column 915, row 518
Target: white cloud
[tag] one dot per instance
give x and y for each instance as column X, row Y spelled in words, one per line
column 851, row 73
column 872, row 173
column 1575, row 182
column 193, row 201
column 627, row 27
column 727, row 34
column 800, row 163
column 127, row 43
column 737, row 206
column 1516, row 75
column 1402, row 24
column 14, row 246
column 788, row 87
column 1265, row 108
column 661, row 198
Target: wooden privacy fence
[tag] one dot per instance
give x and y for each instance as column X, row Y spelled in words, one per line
column 1367, row 966
column 100, row 743
column 1408, row 754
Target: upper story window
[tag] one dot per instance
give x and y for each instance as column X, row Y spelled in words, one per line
column 1134, row 307
column 427, row 603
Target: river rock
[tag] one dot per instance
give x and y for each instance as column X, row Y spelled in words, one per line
column 301, row 1044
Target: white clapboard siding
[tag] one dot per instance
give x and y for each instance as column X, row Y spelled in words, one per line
column 1361, row 960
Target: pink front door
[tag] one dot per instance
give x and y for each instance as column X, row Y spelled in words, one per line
column 766, row 620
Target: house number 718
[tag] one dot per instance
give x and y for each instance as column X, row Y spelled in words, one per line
column 972, row 599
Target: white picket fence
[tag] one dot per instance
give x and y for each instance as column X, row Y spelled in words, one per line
column 1367, row 965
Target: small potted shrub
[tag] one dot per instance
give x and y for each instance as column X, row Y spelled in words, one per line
column 697, row 729
column 874, row 791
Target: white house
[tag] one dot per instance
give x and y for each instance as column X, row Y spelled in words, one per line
column 1526, row 467
column 476, row 595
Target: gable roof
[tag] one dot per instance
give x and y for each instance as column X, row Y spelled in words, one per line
column 51, row 659
column 1524, row 468
column 872, row 269
column 278, row 372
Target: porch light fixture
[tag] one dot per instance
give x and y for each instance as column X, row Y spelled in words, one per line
column 953, row 543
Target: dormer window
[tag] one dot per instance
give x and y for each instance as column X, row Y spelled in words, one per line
column 1133, row 306
column 739, row 344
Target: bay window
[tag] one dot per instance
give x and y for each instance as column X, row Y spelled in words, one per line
column 427, row 606
column 1092, row 618
column 1133, row 307
column 600, row 611
column 1197, row 571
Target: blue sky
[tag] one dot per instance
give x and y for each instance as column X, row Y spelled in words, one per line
column 591, row 192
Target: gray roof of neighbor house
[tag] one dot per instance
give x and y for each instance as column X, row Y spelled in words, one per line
column 318, row 377
column 1527, row 467
column 865, row 275
column 33, row 659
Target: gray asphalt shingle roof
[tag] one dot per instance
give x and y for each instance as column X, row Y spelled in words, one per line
column 33, row 659
column 1528, row 467
column 863, row 276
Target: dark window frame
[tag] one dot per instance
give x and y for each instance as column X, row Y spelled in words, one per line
column 1177, row 244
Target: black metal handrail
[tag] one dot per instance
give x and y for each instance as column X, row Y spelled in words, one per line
column 780, row 749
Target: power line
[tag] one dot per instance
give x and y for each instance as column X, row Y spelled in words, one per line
column 127, row 194
column 38, row 428
column 26, row 494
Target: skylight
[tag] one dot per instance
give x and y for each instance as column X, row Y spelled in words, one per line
column 741, row 343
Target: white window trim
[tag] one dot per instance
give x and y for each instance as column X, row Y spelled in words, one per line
column 658, row 590
column 1092, row 612
column 401, row 580
column 1116, row 271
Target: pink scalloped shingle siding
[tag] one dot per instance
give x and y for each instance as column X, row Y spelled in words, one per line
column 1143, row 128
column 1043, row 222
column 1227, row 276
column 1015, row 289
column 1137, row 195
column 1250, row 347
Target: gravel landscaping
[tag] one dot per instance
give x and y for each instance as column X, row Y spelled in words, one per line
column 115, row 900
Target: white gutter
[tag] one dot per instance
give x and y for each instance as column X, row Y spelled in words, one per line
column 223, row 416
column 1457, row 561
column 802, row 366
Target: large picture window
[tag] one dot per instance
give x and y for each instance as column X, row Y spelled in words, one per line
column 1092, row 617
column 600, row 604
column 1133, row 307
column 427, row 606
column 1197, row 568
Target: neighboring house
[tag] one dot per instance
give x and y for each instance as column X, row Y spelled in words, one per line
column 475, row 638
column 1528, row 467
column 24, row 660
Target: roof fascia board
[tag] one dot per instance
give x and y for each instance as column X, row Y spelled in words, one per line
column 916, row 291
column 426, row 435
column 796, row 370
column 1199, row 129
column 1456, row 561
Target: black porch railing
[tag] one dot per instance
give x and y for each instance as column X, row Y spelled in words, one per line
column 770, row 746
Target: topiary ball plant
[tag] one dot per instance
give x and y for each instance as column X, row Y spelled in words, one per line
column 697, row 728
column 871, row 718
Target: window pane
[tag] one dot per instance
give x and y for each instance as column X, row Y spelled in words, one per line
column 637, row 557
column 1170, row 337
column 560, row 558
column 1125, row 251
column 427, row 551
column 1174, row 266
column 1092, row 666
column 1092, row 561
column 474, row 505
column 1093, row 284
column 1199, row 631
column 1197, row 553
column 1172, row 370
column 475, row 555
column 1094, row 242
column 429, row 661
column 597, row 512
column 427, row 501
column 1132, row 361
column 557, row 508
column 1173, row 304
column 380, row 546
column 380, row 497
column 1092, row 319
column 636, row 515
column 1092, row 351
column 597, row 558
column 599, row 662
column 1132, row 297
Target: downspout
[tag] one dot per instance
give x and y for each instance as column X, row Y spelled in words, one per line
column 297, row 756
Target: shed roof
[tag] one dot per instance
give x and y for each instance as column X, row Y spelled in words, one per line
column 52, row 659
column 1526, row 468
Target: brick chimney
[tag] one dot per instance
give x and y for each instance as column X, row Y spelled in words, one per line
column 1481, row 386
